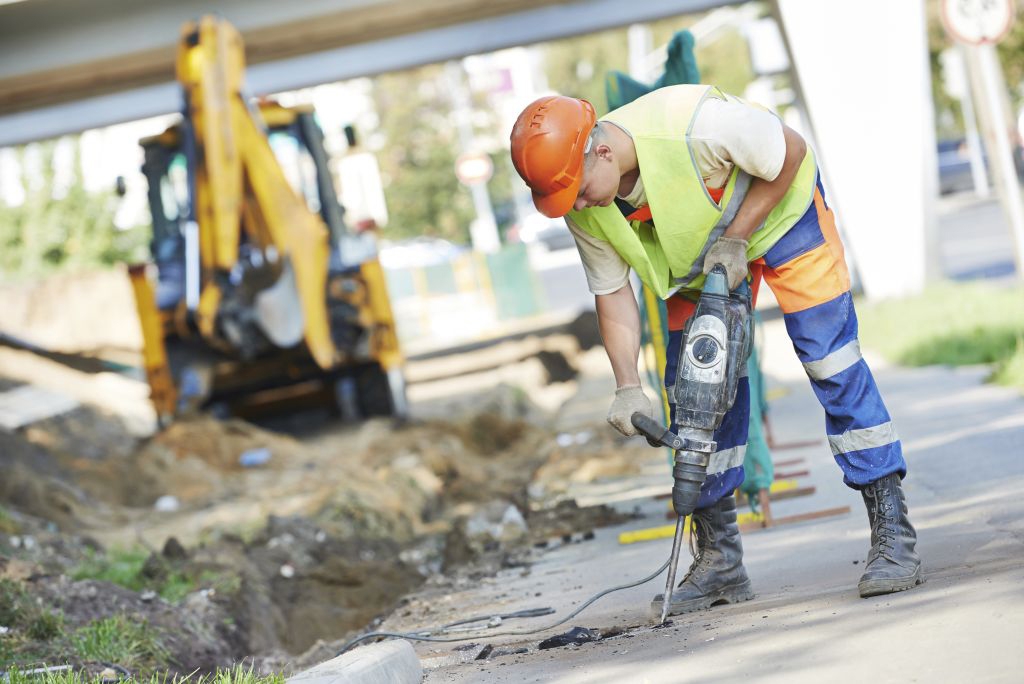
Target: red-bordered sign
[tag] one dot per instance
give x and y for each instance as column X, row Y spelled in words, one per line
column 977, row 22
column 474, row 167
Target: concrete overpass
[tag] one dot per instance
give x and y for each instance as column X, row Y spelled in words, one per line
column 68, row 65
column 862, row 69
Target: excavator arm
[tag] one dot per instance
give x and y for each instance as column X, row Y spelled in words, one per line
column 262, row 297
column 240, row 188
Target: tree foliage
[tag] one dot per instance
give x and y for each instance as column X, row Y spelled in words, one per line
column 577, row 66
column 56, row 228
column 418, row 156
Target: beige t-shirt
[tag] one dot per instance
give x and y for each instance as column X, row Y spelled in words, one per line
column 725, row 133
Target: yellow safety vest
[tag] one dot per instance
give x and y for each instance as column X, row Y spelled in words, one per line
column 688, row 220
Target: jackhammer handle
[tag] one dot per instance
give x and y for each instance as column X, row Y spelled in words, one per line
column 657, row 434
column 743, row 288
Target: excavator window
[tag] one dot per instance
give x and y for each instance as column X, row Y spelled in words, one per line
column 299, row 166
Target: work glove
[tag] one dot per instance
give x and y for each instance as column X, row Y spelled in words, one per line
column 731, row 253
column 628, row 400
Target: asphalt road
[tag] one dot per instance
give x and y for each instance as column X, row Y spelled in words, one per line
column 974, row 238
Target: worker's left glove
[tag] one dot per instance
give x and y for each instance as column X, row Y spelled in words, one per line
column 629, row 399
column 731, row 253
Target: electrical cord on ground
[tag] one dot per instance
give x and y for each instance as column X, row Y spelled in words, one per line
column 419, row 636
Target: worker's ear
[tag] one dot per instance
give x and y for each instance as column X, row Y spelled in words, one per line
column 603, row 152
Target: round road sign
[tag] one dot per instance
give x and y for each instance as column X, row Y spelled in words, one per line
column 473, row 167
column 977, row 22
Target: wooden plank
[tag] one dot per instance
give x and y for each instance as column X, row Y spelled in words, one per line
column 792, row 474
column 778, row 487
column 800, row 517
column 783, row 446
column 668, row 531
column 789, row 462
column 781, row 496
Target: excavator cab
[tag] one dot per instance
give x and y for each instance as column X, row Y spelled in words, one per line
column 263, row 301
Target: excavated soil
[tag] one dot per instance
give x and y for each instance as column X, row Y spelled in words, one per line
column 323, row 538
column 319, row 539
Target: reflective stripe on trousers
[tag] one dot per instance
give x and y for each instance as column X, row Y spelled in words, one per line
column 807, row 273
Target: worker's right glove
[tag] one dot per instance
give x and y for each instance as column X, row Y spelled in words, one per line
column 731, row 253
column 628, row 400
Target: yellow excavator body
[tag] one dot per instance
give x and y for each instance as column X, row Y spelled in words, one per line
column 261, row 298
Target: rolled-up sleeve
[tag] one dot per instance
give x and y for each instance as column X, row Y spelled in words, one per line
column 606, row 271
column 732, row 131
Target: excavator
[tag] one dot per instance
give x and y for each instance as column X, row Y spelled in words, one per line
column 258, row 299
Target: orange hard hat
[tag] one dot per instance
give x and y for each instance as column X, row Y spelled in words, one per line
column 547, row 150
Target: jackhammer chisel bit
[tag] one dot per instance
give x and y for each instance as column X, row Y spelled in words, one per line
column 691, row 462
column 714, row 351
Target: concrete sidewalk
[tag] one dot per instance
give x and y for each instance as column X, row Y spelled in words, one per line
column 964, row 442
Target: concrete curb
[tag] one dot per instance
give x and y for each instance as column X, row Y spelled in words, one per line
column 386, row 662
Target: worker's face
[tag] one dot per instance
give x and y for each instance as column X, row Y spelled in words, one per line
column 600, row 179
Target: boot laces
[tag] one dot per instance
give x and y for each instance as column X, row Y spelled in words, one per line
column 702, row 535
column 885, row 527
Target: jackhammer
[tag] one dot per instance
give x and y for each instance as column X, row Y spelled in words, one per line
column 712, row 357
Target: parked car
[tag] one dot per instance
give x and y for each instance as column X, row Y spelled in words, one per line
column 955, row 165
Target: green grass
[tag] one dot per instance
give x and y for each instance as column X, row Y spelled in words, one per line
column 19, row 611
column 121, row 567
column 45, row 625
column 7, row 524
column 235, row 675
column 13, row 602
column 119, row 640
column 125, row 568
column 953, row 325
column 221, row 582
column 29, row 623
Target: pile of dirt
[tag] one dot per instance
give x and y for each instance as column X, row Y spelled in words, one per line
column 322, row 535
column 587, row 456
column 86, row 624
column 279, row 541
column 61, row 313
column 566, row 521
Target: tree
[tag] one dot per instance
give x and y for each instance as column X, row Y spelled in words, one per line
column 56, row 229
column 418, row 157
column 577, row 66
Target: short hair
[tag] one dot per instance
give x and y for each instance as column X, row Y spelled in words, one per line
column 597, row 136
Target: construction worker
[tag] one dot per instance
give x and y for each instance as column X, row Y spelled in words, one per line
column 669, row 185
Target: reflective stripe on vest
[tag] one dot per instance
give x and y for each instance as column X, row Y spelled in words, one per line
column 739, row 194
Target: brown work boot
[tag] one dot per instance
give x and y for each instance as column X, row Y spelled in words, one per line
column 893, row 564
column 717, row 574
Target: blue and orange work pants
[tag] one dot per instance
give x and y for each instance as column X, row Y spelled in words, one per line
column 807, row 273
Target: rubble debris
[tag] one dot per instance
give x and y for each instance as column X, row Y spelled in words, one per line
column 254, row 458
column 582, row 457
column 575, row 636
column 568, row 522
column 276, row 542
column 586, row 331
column 168, row 503
column 556, row 366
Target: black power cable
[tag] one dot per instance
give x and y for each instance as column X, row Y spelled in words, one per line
column 420, row 635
